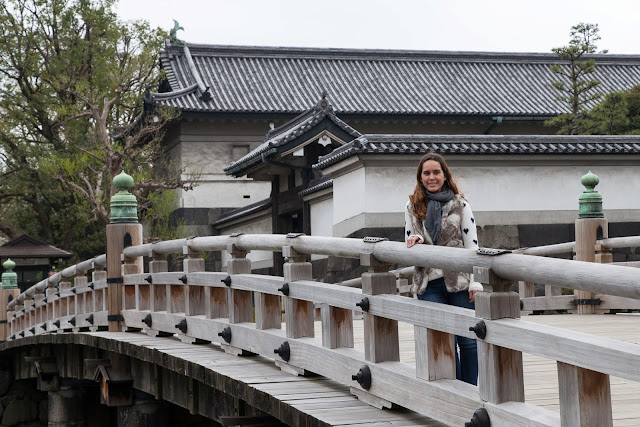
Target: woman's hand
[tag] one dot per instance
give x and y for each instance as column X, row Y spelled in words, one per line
column 472, row 296
column 413, row 240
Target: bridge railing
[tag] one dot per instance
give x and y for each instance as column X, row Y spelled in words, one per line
column 554, row 299
column 242, row 313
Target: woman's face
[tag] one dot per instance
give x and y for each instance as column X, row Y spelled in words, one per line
column 432, row 176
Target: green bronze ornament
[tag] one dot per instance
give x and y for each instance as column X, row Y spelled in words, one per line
column 590, row 201
column 124, row 206
column 9, row 278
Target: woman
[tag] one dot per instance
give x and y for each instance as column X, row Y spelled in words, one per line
column 438, row 214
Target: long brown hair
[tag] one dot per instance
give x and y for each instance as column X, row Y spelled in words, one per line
column 419, row 198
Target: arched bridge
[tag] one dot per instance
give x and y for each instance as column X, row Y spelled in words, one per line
column 215, row 342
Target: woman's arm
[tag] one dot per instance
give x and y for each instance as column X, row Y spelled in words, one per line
column 470, row 241
column 410, row 237
column 468, row 225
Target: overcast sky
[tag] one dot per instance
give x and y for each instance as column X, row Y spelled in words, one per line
column 462, row 25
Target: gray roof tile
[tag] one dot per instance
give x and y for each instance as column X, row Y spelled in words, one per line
column 288, row 80
column 482, row 144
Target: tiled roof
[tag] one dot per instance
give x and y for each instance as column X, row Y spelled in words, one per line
column 243, row 211
column 325, row 182
column 236, row 79
column 26, row 246
column 483, row 144
column 277, row 138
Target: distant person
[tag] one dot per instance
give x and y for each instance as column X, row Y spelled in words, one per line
column 51, row 272
column 438, row 214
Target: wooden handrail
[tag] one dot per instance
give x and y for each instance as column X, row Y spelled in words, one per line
column 568, row 247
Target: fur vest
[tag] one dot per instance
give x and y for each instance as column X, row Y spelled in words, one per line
column 450, row 235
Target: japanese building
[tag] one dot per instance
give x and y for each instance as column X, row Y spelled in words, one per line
column 325, row 141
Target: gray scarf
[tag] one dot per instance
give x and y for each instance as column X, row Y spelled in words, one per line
column 433, row 220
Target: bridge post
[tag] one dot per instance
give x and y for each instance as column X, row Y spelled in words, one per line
column 381, row 342
column 8, row 292
column 500, row 370
column 123, row 231
column 239, row 301
column 81, row 299
column 194, row 295
column 590, row 226
column 268, row 309
column 299, row 314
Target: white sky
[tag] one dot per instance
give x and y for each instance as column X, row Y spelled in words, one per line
column 462, row 25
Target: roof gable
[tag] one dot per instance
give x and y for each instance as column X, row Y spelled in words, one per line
column 312, row 124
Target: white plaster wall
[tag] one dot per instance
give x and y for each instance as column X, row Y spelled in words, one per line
column 499, row 194
column 388, row 189
column 349, row 194
column 321, row 213
column 229, row 193
column 322, row 218
column 528, row 188
column 206, row 148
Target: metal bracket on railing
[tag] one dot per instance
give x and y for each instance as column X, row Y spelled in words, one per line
column 480, row 329
column 374, row 239
column 480, row 419
column 492, row 252
column 183, row 279
column 364, row 304
column 149, row 279
column 284, row 289
column 148, row 320
column 363, row 377
column 225, row 334
column 284, row 351
column 577, row 302
column 236, row 234
column 294, row 235
column 115, row 280
column 182, row 326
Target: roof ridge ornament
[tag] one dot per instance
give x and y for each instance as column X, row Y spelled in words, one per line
column 324, row 103
column 173, row 34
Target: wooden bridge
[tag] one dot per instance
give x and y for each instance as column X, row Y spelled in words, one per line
column 131, row 329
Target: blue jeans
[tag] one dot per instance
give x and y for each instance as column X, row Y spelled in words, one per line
column 467, row 363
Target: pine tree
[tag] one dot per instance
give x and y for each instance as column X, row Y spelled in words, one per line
column 576, row 87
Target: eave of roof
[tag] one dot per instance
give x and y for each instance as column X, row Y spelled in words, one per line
column 30, row 247
column 482, row 145
column 243, row 211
